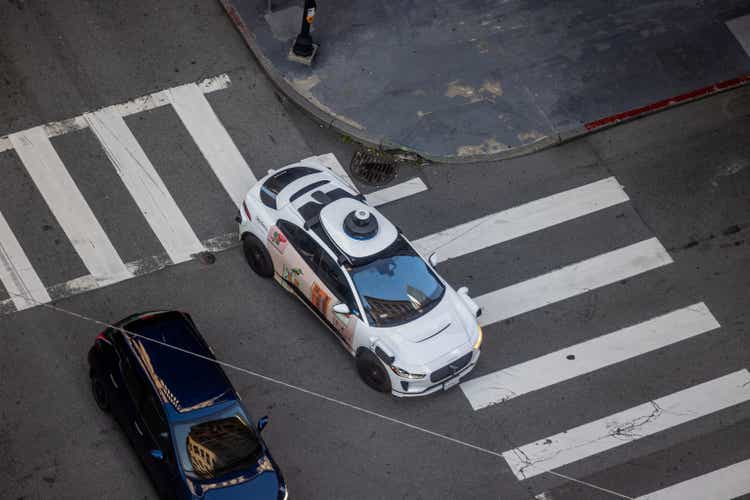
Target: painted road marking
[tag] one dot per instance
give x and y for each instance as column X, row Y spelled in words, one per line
column 740, row 28
column 591, row 355
column 145, row 186
column 396, row 192
column 730, row 482
column 630, row 425
column 524, row 219
column 213, row 140
column 376, row 198
column 572, row 280
column 137, row 105
column 16, row 273
column 69, row 206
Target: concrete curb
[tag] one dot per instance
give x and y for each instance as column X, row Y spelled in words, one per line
column 369, row 140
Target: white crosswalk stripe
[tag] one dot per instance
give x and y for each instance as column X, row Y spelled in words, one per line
column 213, row 140
column 16, row 273
column 740, row 28
column 629, row 425
column 145, row 186
column 69, row 206
column 586, row 357
column 376, row 198
column 726, row 483
column 572, row 280
column 524, row 219
column 396, row 192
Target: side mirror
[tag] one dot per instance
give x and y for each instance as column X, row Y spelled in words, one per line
column 157, row 454
column 433, row 259
column 474, row 308
column 262, row 423
column 341, row 309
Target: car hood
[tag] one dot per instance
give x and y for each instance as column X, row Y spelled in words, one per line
column 264, row 486
column 440, row 332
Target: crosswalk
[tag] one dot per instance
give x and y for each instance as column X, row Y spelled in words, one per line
column 589, row 356
column 166, row 220
column 140, row 177
column 543, row 372
column 629, row 425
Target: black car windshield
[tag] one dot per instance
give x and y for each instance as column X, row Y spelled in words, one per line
column 217, row 445
column 397, row 286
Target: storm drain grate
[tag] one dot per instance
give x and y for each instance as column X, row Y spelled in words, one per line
column 373, row 167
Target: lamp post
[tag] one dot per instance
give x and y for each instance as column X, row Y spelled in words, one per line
column 303, row 45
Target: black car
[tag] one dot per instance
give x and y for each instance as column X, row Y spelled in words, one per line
column 180, row 411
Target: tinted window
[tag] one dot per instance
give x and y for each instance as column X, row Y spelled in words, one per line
column 302, row 242
column 307, row 189
column 217, row 445
column 332, row 275
column 151, row 412
column 133, row 380
column 397, row 286
column 120, row 343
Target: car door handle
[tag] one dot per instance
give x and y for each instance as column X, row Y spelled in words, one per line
column 137, row 427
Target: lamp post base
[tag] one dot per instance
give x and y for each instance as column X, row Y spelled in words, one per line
column 306, row 60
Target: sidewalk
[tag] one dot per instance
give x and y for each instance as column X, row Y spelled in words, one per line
column 474, row 80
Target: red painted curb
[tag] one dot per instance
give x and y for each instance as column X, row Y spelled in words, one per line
column 688, row 96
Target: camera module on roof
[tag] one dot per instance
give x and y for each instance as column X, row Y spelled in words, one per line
column 360, row 224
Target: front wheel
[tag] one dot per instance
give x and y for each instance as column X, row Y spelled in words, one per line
column 372, row 371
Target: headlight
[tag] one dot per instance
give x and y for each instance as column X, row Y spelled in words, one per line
column 403, row 373
column 479, row 338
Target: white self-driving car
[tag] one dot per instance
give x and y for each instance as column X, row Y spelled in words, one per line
column 410, row 332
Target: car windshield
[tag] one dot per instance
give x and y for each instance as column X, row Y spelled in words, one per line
column 217, row 445
column 397, row 286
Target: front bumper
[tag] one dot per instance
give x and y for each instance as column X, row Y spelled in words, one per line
column 403, row 388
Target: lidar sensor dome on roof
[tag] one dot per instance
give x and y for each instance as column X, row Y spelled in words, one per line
column 360, row 224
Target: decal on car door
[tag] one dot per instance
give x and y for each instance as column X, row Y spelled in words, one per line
column 277, row 239
column 320, row 297
column 292, row 275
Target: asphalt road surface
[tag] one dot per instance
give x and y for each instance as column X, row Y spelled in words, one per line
column 613, row 270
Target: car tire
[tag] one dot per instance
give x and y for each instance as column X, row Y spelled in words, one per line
column 100, row 393
column 257, row 256
column 372, row 372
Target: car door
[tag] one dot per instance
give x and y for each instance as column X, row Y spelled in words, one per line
column 122, row 403
column 134, row 385
column 159, row 457
column 332, row 276
column 307, row 269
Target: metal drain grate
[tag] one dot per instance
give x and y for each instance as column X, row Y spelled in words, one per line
column 373, row 167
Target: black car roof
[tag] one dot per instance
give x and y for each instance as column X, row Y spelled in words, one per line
column 185, row 381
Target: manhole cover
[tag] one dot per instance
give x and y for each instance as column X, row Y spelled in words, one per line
column 373, row 167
